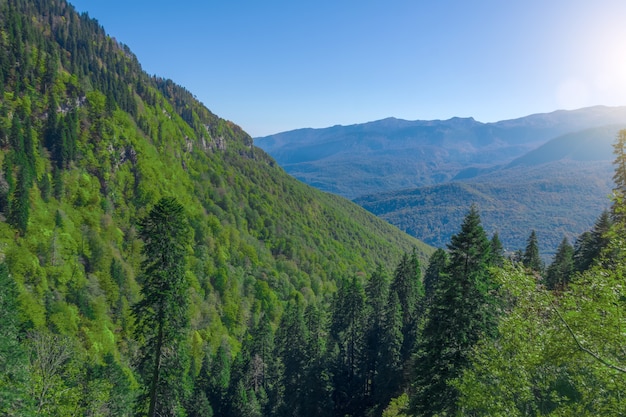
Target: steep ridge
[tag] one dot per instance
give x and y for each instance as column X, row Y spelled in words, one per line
column 89, row 143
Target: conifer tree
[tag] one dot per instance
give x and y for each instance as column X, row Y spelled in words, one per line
column 217, row 380
column 14, row 397
column 407, row 283
column 250, row 370
column 461, row 312
column 589, row 245
column 388, row 379
column 562, row 267
column 16, row 138
column 317, row 389
column 531, row 258
column 19, row 205
column 497, row 251
column 377, row 296
column 347, row 333
column 162, row 313
column 437, row 265
column 619, row 176
column 290, row 350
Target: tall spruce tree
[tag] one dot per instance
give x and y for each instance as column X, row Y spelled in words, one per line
column 407, row 283
column 461, row 312
column 218, row 379
column 377, row 295
column 561, row 269
column 619, row 177
column 317, row 387
column 590, row 245
column 388, row 379
column 290, row 350
column 437, row 265
column 19, row 205
column 162, row 313
column 497, row 251
column 347, row 332
column 14, row 376
column 531, row 258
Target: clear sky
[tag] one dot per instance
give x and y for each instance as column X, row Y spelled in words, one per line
column 273, row 65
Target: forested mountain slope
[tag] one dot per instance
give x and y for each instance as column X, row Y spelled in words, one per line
column 89, row 143
column 558, row 189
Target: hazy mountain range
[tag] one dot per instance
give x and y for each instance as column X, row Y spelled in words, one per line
column 550, row 172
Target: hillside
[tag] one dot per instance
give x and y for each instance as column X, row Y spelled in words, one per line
column 89, row 143
column 558, row 189
column 393, row 154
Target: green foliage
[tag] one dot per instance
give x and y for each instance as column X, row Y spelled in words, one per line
column 561, row 269
column 531, row 258
column 554, row 356
column 88, row 143
column 387, row 382
column 497, row 251
column 162, row 314
column 14, row 377
column 512, row 202
column 407, row 284
column 619, row 150
column 590, row 244
column 348, row 336
column 437, row 265
column 461, row 313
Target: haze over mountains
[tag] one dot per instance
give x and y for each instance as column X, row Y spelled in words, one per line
column 524, row 174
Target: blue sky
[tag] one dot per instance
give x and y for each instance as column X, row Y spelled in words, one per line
column 272, row 66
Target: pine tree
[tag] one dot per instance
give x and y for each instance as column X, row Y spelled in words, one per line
column 619, row 177
column 317, row 387
column 590, row 245
column 388, row 380
column 14, row 397
column 19, row 205
column 217, row 380
column 562, row 267
column 347, row 333
column 377, row 296
column 16, row 138
column 407, row 283
column 531, row 258
column 162, row 313
column 290, row 350
column 250, row 369
column 437, row 265
column 461, row 312
column 497, row 251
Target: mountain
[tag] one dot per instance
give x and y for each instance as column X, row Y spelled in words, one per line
column 558, row 189
column 89, row 143
column 393, row 154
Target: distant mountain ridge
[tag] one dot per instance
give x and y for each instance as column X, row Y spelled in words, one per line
column 393, row 154
column 558, row 189
column 551, row 172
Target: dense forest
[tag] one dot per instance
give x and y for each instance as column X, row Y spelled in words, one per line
column 154, row 262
